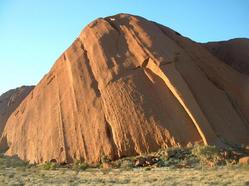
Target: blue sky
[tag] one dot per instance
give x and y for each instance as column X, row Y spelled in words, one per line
column 33, row 33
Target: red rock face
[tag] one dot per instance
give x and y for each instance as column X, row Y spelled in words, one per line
column 234, row 52
column 9, row 101
column 128, row 86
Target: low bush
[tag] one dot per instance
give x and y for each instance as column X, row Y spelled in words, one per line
column 14, row 162
column 49, row 166
column 195, row 156
column 208, row 155
column 79, row 166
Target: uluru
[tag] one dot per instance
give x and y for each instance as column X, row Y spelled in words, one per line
column 9, row 101
column 233, row 52
column 128, row 86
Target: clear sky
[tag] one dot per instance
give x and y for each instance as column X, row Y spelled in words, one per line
column 33, row 33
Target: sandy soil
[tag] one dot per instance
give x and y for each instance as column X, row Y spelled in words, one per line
column 155, row 176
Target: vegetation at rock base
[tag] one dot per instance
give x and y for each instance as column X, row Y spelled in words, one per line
column 187, row 165
column 79, row 166
column 189, row 157
column 50, row 166
column 8, row 162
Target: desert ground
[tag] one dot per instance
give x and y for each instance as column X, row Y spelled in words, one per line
column 198, row 165
column 234, row 175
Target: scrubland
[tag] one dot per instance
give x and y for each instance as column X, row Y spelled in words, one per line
column 200, row 165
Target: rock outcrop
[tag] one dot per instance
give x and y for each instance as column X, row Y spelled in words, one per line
column 128, row 86
column 9, row 101
column 234, row 52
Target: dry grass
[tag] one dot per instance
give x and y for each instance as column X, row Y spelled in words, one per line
column 233, row 175
column 200, row 165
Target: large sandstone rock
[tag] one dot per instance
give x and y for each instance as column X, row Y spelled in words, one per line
column 128, row 86
column 234, row 52
column 9, row 101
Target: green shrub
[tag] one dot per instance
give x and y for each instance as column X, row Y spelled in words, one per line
column 50, row 166
column 80, row 166
column 208, row 155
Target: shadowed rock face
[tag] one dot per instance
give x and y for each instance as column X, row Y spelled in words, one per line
column 9, row 101
column 128, row 86
column 234, row 52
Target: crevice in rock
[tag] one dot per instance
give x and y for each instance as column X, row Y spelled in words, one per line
column 193, row 58
column 217, row 85
column 145, row 63
column 191, row 107
column 16, row 113
column 109, row 131
column 143, row 48
column 95, row 84
column 85, row 151
column 64, row 57
column 210, row 79
column 74, row 100
column 237, row 110
column 50, row 80
column 4, row 146
column 110, row 136
column 119, row 40
column 71, row 78
column 232, row 102
column 131, row 70
column 108, row 20
column 61, row 128
column 142, row 45
column 195, row 98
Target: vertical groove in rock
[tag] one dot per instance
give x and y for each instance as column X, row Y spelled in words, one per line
column 95, row 82
column 174, row 91
column 202, row 126
column 221, row 77
column 74, row 108
column 60, row 124
column 112, row 25
column 238, row 111
column 110, row 136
